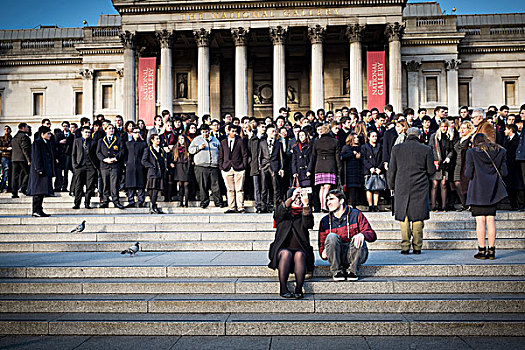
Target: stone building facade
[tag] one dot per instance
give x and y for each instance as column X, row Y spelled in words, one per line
column 253, row 57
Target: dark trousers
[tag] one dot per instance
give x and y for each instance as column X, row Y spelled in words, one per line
column 257, row 192
column 270, row 178
column 62, row 178
column 139, row 192
column 38, row 200
column 84, row 176
column 20, row 177
column 110, row 178
column 153, row 195
column 208, row 178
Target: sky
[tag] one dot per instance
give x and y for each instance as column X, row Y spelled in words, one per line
column 22, row 14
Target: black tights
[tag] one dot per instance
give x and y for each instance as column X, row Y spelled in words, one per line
column 286, row 259
column 153, row 194
column 460, row 193
column 442, row 184
column 184, row 188
column 353, row 193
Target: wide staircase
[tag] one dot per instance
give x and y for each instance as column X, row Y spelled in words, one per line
column 202, row 272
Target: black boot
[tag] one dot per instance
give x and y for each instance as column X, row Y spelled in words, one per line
column 491, row 253
column 482, row 253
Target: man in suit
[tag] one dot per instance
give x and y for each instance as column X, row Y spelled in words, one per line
column 156, row 129
column 84, row 159
column 271, row 166
column 20, row 159
column 110, row 151
column 233, row 159
column 425, row 130
column 64, row 143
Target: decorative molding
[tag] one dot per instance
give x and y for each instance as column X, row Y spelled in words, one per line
column 86, row 73
column 248, row 6
column 202, row 37
column 240, row 36
column 413, row 66
column 278, row 34
column 394, row 31
column 165, row 38
column 316, row 34
column 452, row 64
column 491, row 49
column 120, row 72
column 38, row 62
column 416, row 42
column 128, row 39
column 354, row 32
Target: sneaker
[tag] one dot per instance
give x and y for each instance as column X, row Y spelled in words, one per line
column 351, row 277
column 339, row 277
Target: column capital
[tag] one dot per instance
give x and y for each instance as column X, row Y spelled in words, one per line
column 165, row 38
column 240, row 36
column 413, row 66
column 452, row 64
column 202, row 37
column 316, row 34
column 394, row 31
column 128, row 39
column 278, row 34
column 354, row 32
column 120, row 72
column 86, row 73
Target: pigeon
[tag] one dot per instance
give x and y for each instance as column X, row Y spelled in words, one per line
column 131, row 250
column 80, row 227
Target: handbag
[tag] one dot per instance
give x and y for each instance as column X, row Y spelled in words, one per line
column 375, row 182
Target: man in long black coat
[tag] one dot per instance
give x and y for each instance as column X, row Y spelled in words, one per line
column 20, row 159
column 84, row 160
column 411, row 165
column 42, row 171
column 64, row 148
column 135, row 171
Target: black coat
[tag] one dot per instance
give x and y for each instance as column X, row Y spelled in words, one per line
column 275, row 159
column 485, row 186
column 106, row 149
column 238, row 158
column 78, row 152
column 326, row 157
column 42, row 169
column 21, row 144
column 253, row 155
column 287, row 224
column 156, row 163
column 372, row 157
column 301, row 159
column 388, row 142
column 513, row 180
column 411, row 164
column 135, row 171
column 353, row 166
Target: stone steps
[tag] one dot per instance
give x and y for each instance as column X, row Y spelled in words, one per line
column 461, row 324
column 253, row 286
column 223, row 245
column 262, row 303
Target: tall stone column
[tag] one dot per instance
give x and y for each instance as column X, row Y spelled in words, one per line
column 394, row 32
column 165, row 39
column 413, row 83
column 128, row 41
column 87, row 93
column 354, row 33
column 202, row 37
column 453, row 85
column 316, row 35
column 240, row 37
column 278, row 36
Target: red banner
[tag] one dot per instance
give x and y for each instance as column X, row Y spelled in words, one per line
column 376, row 73
column 147, row 89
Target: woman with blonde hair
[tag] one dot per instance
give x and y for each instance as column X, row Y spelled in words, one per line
column 461, row 146
column 442, row 144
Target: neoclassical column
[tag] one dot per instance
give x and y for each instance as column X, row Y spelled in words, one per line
column 166, row 38
column 354, row 33
column 394, row 32
column 413, row 83
column 240, row 37
column 453, row 85
column 202, row 37
column 278, row 36
column 316, row 35
column 87, row 93
column 128, row 41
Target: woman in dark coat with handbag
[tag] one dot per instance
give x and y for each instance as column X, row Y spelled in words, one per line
column 180, row 164
column 301, row 159
column 291, row 249
column 372, row 156
column 326, row 163
column 353, row 169
column 42, row 171
column 485, row 166
column 155, row 160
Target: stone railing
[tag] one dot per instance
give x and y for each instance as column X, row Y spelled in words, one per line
column 101, row 32
column 40, row 44
column 507, row 31
column 471, row 31
column 425, row 22
column 6, row 45
column 71, row 42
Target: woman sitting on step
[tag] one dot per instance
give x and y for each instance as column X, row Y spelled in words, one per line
column 291, row 249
